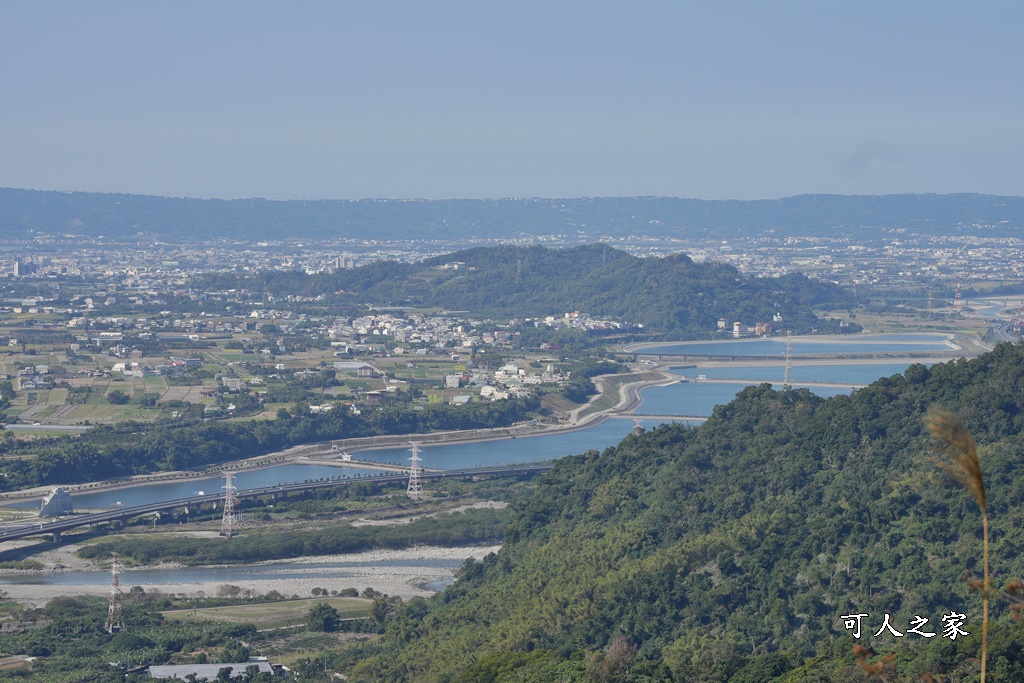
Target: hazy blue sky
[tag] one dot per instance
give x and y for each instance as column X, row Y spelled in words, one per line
column 500, row 99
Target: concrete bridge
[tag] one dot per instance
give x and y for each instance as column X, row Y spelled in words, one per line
column 59, row 526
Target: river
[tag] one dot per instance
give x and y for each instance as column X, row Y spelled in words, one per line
column 693, row 399
column 689, row 398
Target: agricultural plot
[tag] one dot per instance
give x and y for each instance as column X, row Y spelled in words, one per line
column 418, row 373
column 225, row 357
column 268, row 615
column 33, row 411
column 192, row 394
column 56, row 397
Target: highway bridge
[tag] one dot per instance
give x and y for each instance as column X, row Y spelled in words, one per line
column 56, row 528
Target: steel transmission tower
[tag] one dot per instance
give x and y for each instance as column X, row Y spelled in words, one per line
column 787, row 380
column 415, row 489
column 115, row 617
column 227, row 523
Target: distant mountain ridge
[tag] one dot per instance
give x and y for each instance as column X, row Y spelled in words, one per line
column 124, row 215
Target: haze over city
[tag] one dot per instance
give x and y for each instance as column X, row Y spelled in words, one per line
column 403, row 99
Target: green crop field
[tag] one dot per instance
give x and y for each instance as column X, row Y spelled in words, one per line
column 57, row 397
column 273, row 614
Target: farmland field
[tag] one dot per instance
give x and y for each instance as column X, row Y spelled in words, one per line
column 267, row 615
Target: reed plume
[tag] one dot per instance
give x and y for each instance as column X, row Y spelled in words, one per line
column 957, row 446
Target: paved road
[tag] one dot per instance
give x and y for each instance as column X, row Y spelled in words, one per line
column 1002, row 333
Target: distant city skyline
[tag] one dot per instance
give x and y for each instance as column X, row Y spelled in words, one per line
column 345, row 100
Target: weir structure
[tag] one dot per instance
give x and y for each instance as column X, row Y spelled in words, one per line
column 415, row 488
column 56, row 503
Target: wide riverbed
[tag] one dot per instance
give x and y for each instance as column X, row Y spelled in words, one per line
column 414, row 571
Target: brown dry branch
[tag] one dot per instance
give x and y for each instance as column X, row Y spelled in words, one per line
column 1015, row 595
column 883, row 669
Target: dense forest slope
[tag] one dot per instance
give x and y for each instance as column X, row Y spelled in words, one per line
column 122, row 215
column 728, row 552
column 668, row 295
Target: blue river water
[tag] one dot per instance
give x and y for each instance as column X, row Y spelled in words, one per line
column 510, row 451
column 698, row 399
column 443, row 456
column 212, row 485
column 833, row 373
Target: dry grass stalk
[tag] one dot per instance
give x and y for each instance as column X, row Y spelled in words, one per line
column 883, row 669
column 957, row 444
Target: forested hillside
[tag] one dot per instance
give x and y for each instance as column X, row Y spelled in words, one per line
column 123, row 215
column 671, row 295
column 728, row 552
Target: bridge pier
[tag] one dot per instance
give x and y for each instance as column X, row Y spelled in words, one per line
column 56, row 537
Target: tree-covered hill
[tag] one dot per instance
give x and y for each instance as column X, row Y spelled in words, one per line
column 672, row 295
column 121, row 215
column 728, row 552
